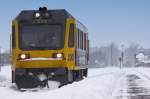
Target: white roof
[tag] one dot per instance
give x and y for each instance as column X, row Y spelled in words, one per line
column 81, row 26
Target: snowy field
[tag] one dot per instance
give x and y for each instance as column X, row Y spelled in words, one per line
column 101, row 83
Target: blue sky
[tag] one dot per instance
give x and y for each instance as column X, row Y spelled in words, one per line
column 119, row 21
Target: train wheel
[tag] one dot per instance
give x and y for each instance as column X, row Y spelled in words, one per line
column 77, row 75
column 13, row 77
column 85, row 72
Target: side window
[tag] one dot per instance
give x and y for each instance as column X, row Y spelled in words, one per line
column 78, row 38
column 71, row 35
column 81, row 40
column 13, row 37
column 85, row 41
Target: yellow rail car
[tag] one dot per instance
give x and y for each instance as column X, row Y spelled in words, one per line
column 48, row 45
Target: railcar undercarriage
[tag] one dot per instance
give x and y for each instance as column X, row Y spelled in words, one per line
column 33, row 78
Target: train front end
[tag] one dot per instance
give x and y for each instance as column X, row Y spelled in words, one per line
column 39, row 48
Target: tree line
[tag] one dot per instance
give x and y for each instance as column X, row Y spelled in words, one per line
column 102, row 56
column 110, row 55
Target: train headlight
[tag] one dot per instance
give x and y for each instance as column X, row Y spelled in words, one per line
column 58, row 55
column 24, row 56
column 37, row 15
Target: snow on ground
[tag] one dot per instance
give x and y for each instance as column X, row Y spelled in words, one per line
column 144, row 71
column 98, row 85
column 135, row 84
column 101, row 83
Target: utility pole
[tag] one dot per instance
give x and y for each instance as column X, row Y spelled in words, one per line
column 122, row 55
column 111, row 59
column 120, row 61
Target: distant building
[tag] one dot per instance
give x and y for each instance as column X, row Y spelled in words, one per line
column 142, row 58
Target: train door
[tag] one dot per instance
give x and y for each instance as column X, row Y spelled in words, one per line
column 71, row 44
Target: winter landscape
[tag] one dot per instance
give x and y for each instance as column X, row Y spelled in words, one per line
column 101, row 83
column 97, row 49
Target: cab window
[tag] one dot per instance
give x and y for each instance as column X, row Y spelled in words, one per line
column 71, row 36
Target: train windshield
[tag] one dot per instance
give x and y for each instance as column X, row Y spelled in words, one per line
column 41, row 37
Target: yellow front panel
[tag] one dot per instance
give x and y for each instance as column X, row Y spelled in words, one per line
column 50, row 62
column 66, row 62
column 40, row 64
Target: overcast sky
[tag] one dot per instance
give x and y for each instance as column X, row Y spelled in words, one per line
column 119, row 21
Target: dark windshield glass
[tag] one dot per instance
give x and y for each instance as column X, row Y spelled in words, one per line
column 41, row 37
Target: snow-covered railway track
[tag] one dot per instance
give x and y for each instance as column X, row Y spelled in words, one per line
column 135, row 85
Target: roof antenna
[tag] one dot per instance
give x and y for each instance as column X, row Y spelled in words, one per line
column 43, row 9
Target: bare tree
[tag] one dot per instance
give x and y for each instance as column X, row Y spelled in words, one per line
column 105, row 55
column 130, row 54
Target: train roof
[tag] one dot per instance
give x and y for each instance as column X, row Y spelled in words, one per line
column 81, row 26
column 56, row 13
